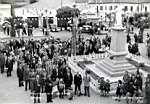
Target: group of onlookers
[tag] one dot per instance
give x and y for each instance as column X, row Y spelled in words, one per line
column 41, row 68
column 131, row 86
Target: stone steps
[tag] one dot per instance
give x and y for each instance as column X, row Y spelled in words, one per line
column 119, row 71
column 118, row 67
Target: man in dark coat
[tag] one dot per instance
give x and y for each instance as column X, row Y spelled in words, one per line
column 37, row 89
column 26, row 76
column 9, row 65
column 2, row 62
column 68, row 78
column 20, row 75
column 48, row 89
column 77, row 82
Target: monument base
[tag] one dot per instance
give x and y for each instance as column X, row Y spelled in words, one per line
column 115, row 66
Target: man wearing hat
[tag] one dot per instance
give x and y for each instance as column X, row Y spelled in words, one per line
column 2, row 62
column 9, row 65
column 87, row 80
column 48, row 89
column 26, row 77
column 77, row 82
column 37, row 89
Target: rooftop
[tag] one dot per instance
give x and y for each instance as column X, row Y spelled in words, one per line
column 112, row 1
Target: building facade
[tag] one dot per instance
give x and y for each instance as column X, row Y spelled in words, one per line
column 18, row 3
column 108, row 6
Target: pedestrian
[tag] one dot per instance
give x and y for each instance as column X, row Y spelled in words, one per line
column 107, row 87
column 68, row 78
column 61, row 87
column 119, row 90
column 9, row 65
column 37, row 89
column 2, row 62
column 32, row 76
column 87, row 80
column 26, row 76
column 20, row 75
column 43, row 78
column 48, row 89
column 77, row 83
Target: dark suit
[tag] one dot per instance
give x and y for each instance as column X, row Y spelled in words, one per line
column 37, row 91
column 68, row 80
column 77, row 83
column 26, row 79
column 2, row 62
column 9, row 65
column 20, row 76
column 48, row 90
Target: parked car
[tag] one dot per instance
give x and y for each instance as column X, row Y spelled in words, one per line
column 54, row 28
column 69, row 28
column 86, row 29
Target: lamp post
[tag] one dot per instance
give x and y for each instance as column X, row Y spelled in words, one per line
column 12, row 32
column 74, row 29
column 47, row 24
column 61, row 3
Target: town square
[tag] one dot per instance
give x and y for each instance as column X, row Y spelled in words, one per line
column 74, row 51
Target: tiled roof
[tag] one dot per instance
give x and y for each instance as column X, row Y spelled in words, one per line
column 112, row 1
column 81, row 1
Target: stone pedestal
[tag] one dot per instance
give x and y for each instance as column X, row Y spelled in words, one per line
column 116, row 64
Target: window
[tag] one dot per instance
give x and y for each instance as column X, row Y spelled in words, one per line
column 131, row 8
column 126, row 8
column 101, row 7
column 105, row 7
column 138, row 8
column 110, row 7
column 115, row 7
column 145, row 9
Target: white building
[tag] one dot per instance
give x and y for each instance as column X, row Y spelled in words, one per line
column 129, row 7
column 5, row 12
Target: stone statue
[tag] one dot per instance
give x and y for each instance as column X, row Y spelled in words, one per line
column 119, row 16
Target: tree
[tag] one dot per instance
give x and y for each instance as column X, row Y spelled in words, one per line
column 66, row 14
column 141, row 21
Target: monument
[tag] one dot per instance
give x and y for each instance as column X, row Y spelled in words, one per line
column 116, row 64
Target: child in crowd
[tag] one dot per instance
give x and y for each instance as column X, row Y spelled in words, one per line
column 107, row 87
column 119, row 90
column 61, row 87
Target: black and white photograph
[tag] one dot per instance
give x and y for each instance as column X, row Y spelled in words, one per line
column 74, row 51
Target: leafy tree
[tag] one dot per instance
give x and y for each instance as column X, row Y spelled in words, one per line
column 141, row 21
column 66, row 12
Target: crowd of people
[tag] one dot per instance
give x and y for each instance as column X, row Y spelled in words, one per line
column 133, row 47
column 131, row 86
column 42, row 67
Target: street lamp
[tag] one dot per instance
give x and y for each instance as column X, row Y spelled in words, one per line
column 12, row 32
column 74, row 28
column 47, row 24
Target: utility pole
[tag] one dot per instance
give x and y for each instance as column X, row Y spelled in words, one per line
column 61, row 3
column 74, row 31
column 12, row 32
column 47, row 23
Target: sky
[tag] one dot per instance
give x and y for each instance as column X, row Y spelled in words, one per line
column 52, row 4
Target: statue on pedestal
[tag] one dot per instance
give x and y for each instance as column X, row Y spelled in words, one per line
column 119, row 13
